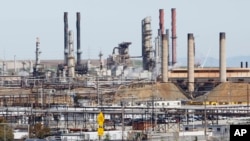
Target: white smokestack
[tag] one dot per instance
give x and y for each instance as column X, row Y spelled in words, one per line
column 190, row 62
column 223, row 68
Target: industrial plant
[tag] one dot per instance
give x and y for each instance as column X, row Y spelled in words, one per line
column 125, row 97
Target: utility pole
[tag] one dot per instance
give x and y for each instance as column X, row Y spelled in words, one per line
column 98, row 100
column 122, row 122
column 247, row 100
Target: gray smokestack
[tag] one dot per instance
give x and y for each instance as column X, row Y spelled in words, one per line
column 223, row 69
column 190, row 62
column 164, row 58
column 78, row 38
column 66, row 44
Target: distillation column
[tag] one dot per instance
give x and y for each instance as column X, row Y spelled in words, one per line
column 71, row 58
column 37, row 66
column 148, row 62
column 38, row 52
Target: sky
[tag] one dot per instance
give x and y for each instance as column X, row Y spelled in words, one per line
column 106, row 23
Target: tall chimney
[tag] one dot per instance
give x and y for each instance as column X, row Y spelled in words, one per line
column 78, row 38
column 66, row 47
column 190, row 62
column 167, row 33
column 164, row 58
column 223, row 69
column 246, row 64
column 173, row 13
column 161, row 23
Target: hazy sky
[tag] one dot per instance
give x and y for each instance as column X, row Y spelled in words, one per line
column 106, row 23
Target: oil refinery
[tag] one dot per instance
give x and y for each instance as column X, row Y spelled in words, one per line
column 125, row 97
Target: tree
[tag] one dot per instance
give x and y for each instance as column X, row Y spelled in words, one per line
column 39, row 131
column 6, row 131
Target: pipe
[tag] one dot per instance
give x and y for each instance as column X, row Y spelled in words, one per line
column 173, row 13
column 164, row 58
column 223, row 69
column 118, row 48
column 161, row 23
column 190, row 62
column 78, row 38
column 66, row 38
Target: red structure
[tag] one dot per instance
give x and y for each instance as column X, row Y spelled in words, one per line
column 161, row 24
column 173, row 13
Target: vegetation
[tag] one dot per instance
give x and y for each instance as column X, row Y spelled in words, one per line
column 39, row 131
column 6, row 133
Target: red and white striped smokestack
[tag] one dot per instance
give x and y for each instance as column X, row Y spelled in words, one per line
column 161, row 21
column 173, row 13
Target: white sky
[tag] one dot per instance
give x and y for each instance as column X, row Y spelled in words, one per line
column 106, row 23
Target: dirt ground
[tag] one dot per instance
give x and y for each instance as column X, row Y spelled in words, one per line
column 160, row 91
column 234, row 93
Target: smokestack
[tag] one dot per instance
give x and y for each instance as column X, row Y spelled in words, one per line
column 190, row 62
column 223, row 69
column 173, row 13
column 161, row 23
column 78, row 38
column 241, row 64
column 66, row 38
column 167, row 33
column 164, row 58
column 246, row 65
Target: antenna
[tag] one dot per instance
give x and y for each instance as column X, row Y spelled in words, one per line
column 206, row 58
